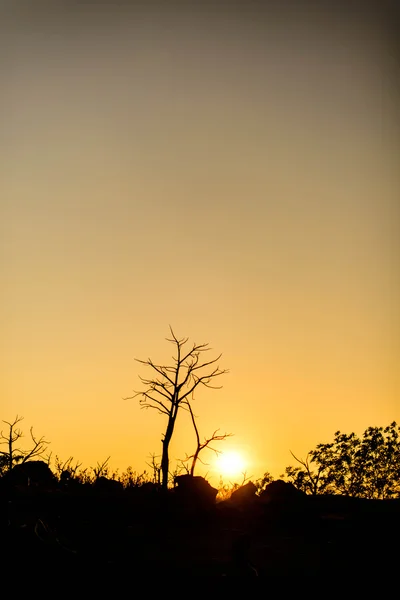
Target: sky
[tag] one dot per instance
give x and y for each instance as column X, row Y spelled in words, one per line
column 229, row 172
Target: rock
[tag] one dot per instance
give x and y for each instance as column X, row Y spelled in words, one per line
column 194, row 490
column 103, row 484
column 285, row 507
column 34, row 473
column 245, row 495
column 280, row 491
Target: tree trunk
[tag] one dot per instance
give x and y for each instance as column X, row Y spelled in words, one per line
column 195, row 457
column 165, row 455
column 165, row 463
column 10, row 452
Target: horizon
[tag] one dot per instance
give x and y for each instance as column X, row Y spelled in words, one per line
column 228, row 474
column 232, row 174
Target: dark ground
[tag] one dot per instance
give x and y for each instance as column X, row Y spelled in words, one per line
column 113, row 535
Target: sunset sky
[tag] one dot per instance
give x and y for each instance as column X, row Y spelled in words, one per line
column 232, row 173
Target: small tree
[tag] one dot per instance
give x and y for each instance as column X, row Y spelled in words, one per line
column 66, row 469
column 202, row 445
column 101, row 469
column 14, row 454
column 265, row 480
column 171, row 385
column 156, row 468
column 306, row 479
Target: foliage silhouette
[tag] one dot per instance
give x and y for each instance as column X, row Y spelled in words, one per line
column 366, row 467
column 265, row 480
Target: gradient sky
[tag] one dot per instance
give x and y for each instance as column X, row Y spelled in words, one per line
column 230, row 173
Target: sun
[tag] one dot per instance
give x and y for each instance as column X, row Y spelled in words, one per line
column 230, row 464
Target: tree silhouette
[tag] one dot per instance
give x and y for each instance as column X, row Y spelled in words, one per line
column 306, row 479
column 367, row 467
column 171, row 385
column 202, row 445
column 14, row 454
column 156, row 468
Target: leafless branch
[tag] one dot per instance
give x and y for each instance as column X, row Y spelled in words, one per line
column 313, row 478
column 163, row 371
column 245, row 478
column 172, row 385
column 202, row 445
column 156, row 469
column 15, row 454
column 101, row 469
column 39, row 446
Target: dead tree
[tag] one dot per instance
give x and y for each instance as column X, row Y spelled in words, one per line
column 101, row 470
column 202, row 445
column 155, row 465
column 14, row 454
column 66, row 469
column 170, row 386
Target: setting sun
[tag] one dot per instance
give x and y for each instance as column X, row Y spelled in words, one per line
column 230, row 464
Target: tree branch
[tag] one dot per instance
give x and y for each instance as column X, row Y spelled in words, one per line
column 172, row 385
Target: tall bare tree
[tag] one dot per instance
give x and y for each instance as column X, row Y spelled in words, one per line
column 171, row 385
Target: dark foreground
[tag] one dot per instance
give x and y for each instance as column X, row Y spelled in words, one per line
column 113, row 535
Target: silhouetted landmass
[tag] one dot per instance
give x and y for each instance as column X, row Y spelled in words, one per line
column 336, row 515
column 105, row 527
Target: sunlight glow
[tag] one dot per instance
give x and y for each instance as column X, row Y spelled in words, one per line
column 230, row 464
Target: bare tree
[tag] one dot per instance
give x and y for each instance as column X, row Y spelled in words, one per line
column 15, row 454
column 202, row 445
column 102, row 469
column 307, row 480
column 155, row 465
column 66, row 471
column 170, row 386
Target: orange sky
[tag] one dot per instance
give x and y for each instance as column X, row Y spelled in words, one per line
column 230, row 174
